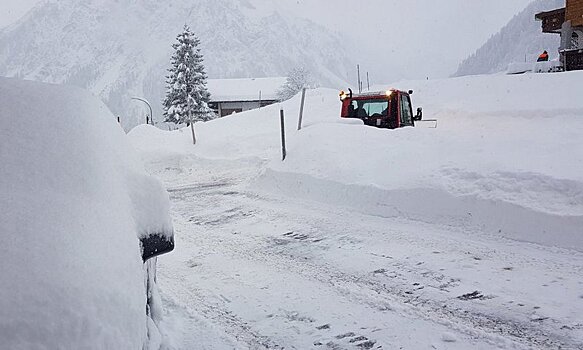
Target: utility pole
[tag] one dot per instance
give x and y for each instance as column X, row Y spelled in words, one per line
column 358, row 75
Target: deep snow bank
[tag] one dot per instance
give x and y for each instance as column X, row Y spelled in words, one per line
column 252, row 134
column 506, row 156
column 74, row 199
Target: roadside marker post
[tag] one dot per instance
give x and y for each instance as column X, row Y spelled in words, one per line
column 282, row 124
column 302, row 109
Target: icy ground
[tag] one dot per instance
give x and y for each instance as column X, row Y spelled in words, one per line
column 253, row 271
column 303, row 254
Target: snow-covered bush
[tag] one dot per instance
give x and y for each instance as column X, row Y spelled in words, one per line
column 297, row 79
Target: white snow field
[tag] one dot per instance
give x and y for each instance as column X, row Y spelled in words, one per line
column 74, row 199
column 468, row 235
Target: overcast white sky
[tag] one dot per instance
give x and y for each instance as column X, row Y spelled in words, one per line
column 11, row 10
column 488, row 13
column 407, row 35
column 413, row 39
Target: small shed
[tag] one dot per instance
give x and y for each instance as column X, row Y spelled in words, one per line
column 230, row 96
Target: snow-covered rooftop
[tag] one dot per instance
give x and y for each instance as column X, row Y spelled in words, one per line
column 245, row 89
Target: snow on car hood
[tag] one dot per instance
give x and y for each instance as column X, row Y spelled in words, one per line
column 74, row 199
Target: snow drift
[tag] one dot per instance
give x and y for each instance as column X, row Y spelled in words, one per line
column 74, row 200
column 505, row 159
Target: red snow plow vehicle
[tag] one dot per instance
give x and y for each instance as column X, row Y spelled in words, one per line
column 389, row 109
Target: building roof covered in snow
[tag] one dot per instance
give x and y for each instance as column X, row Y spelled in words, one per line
column 245, row 89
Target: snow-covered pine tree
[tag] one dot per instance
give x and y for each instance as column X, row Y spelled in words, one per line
column 298, row 78
column 187, row 96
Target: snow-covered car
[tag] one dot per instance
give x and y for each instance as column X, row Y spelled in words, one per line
column 79, row 220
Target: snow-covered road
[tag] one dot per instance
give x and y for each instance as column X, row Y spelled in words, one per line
column 463, row 237
column 257, row 271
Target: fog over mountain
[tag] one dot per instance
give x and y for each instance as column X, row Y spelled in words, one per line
column 122, row 49
column 412, row 39
column 521, row 39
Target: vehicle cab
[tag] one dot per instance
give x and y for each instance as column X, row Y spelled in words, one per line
column 389, row 109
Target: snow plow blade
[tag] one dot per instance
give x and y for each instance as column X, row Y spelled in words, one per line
column 426, row 123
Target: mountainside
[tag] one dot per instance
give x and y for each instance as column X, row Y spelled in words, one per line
column 122, row 49
column 520, row 39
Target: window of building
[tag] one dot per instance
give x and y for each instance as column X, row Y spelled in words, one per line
column 574, row 40
column 229, row 111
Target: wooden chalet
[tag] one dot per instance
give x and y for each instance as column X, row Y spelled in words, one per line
column 568, row 22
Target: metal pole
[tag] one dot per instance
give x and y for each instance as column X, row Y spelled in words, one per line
column 259, row 99
column 150, row 107
column 358, row 75
column 281, row 121
column 302, row 108
column 191, row 122
column 367, row 82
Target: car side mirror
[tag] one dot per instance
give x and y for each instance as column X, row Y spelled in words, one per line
column 156, row 244
column 410, row 92
column 419, row 114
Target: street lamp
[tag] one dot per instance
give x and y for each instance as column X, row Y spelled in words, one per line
column 150, row 107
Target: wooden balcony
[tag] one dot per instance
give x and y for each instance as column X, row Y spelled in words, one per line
column 552, row 20
column 573, row 59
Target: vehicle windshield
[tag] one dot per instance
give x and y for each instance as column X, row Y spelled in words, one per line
column 368, row 108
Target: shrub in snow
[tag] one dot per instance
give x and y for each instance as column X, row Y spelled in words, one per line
column 297, row 79
column 187, row 96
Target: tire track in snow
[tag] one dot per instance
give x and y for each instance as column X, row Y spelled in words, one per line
column 356, row 288
column 365, row 289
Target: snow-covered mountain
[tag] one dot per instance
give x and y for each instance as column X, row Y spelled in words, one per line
column 521, row 39
column 119, row 49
